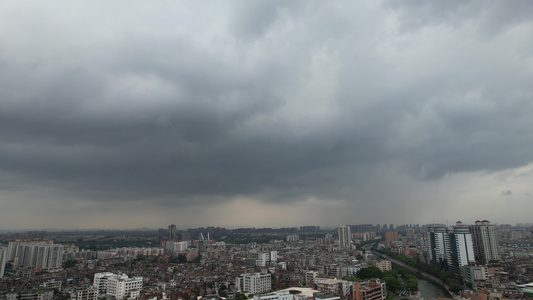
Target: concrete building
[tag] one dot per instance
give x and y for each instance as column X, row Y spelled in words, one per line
column 295, row 293
column 84, row 293
column 3, row 260
column 310, row 277
column 345, row 236
column 274, row 256
column 171, row 232
column 292, row 238
column 14, row 247
column 391, row 236
column 175, row 246
column 46, row 256
column 285, row 295
column 383, row 264
column 461, row 247
column 473, row 273
column 486, row 247
column 439, row 251
column 118, row 286
column 253, row 283
column 42, row 294
column 52, row 284
column 334, row 286
column 372, row 289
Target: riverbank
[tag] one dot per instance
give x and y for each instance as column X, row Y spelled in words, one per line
column 418, row 273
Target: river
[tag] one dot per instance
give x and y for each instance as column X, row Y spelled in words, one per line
column 431, row 290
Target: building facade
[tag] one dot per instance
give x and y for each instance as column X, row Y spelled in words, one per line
column 439, row 251
column 119, row 286
column 383, row 265
column 461, row 247
column 171, row 232
column 345, row 236
column 372, row 289
column 486, row 247
column 46, row 256
column 86, row 293
column 3, row 260
column 253, row 283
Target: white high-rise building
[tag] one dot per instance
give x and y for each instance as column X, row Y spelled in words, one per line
column 486, row 247
column 273, row 255
column 262, row 259
column 44, row 256
column 174, row 246
column 253, row 283
column 345, row 236
column 14, row 247
column 461, row 246
column 439, row 246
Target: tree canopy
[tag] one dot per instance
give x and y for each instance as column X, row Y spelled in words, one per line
column 370, row 272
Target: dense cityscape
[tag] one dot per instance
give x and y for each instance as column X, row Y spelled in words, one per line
column 358, row 262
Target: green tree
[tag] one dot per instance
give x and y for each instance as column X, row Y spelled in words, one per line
column 412, row 285
column 350, row 278
column 394, row 284
column 240, row 296
column 455, row 288
column 390, row 295
column 71, row 263
column 369, row 272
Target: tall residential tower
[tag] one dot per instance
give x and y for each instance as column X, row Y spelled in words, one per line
column 485, row 243
column 345, row 236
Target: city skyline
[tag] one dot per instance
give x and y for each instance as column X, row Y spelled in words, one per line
column 269, row 114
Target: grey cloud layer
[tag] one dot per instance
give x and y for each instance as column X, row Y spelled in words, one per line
column 263, row 100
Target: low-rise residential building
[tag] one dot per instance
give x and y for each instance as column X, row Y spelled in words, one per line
column 253, row 283
column 473, row 273
column 45, row 294
column 118, row 286
column 84, row 293
column 334, row 286
column 383, row 265
column 372, row 289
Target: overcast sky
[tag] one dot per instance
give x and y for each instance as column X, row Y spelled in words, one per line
column 130, row 114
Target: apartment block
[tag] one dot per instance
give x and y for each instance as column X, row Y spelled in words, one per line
column 253, row 283
column 373, row 289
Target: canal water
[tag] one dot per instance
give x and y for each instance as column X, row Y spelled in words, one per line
column 430, row 290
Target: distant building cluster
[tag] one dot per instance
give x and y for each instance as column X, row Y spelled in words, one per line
column 35, row 254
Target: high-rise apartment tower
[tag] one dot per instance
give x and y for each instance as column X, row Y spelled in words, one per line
column 486, row 247
column 345, row 236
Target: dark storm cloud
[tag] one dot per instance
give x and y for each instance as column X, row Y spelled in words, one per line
column 222, row 111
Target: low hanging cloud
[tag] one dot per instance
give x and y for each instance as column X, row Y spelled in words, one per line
column 507, row 193
column 277, row 101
